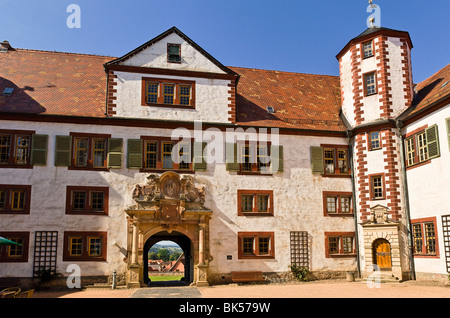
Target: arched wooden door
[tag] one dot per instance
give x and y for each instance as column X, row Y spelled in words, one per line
column 382, row 254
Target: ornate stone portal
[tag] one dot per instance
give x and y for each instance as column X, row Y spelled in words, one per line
column 168, row 202
column 379, row 228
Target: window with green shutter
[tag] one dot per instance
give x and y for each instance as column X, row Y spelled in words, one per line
column 317, row 160
column 63, row 145
column 276, row 158
column 432, row 142
column 199, row 156
column 115, row 146
column 231, row 157
column 447, row 121
column 134, row 153
column 39, row 145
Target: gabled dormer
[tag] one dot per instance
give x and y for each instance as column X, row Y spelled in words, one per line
column 172, row 78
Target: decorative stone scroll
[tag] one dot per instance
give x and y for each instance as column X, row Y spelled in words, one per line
column 170, row 195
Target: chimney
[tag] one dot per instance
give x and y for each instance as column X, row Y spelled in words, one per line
column 5, row 47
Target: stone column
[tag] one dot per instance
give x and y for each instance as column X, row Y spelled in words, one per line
column 201, row 244
column 202, row 267
column 133, row 280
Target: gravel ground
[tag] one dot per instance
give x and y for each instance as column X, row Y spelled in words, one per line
column 315, row 289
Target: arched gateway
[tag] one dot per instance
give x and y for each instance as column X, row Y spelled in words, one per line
column 170, row 205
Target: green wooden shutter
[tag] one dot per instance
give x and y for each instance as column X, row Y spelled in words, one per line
column 231, row 155
column 134, row 153
column 276, row 158
column 432, row 142
column 448, row 131
column 115, row 146
column 63, row 145
column 317, row 160
column 39, row 150
column 199, row 157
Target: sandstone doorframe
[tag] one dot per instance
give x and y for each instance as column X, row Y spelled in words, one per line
column 167, row 203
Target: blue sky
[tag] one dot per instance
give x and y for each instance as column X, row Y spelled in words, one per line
column 296, row 36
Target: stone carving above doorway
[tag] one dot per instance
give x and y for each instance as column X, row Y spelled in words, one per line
column 170, row 195
column 379, row 214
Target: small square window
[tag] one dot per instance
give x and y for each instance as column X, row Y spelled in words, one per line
column 174, row 53
column 374, row 140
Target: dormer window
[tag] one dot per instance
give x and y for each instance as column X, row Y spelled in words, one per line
column 174, row 53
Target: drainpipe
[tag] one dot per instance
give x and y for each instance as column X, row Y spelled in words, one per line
column 351, row 139
column 399, row 125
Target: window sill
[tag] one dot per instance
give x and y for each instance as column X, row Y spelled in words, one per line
column 165, row 170
column 27, row 166
column 254, row 173
column 426, row 256
column 256, row 257
column 373, row 94
column 341, row 255
column 88, row 168
column 416, row 165
column 83, row 259
column 169, row 105
column 255, row 214
column 99, row 213
column 336, row 175
column 14, row 212
column 334, row 215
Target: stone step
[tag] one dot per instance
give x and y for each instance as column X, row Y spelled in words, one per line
column 381, row 279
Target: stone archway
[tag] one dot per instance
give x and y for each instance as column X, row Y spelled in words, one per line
column 185, row 244
column 168, row 203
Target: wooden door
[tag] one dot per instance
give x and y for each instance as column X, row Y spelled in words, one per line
column 382, row 254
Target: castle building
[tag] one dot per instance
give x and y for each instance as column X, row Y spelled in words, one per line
column 250, row 171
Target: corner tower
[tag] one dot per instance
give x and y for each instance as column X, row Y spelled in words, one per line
column 376, row 87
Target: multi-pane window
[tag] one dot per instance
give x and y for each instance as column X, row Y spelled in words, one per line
column 256, row 245
column 255, row 202
column 15, row 253
column 337, row 203
column 335, row 160
column 76, row 246
column 84, row 246
column 15, row 199
column 163, row 92
column 377, row 187
column 374, row 140
column 87, row 200
column 89, row 151
column 168, row 93
column 150, row 154
column 185, row 94
column 422, row 145
column 367, row 49
column 165, row 154
column 410, row 151
column 95, row 246
column 425, row 237
column 152, row 92
column 340, row 243
column 370, row 85
column 15, row 149
column 254, row 158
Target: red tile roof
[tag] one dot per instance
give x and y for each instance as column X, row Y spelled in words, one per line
column 53, row 83
column 56, row 83
column 432, row 89
column 300, row 101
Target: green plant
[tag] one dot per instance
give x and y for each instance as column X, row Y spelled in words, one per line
column 300, row 272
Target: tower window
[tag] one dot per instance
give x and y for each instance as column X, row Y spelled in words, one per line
column 370, row 84
column 367, row 49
